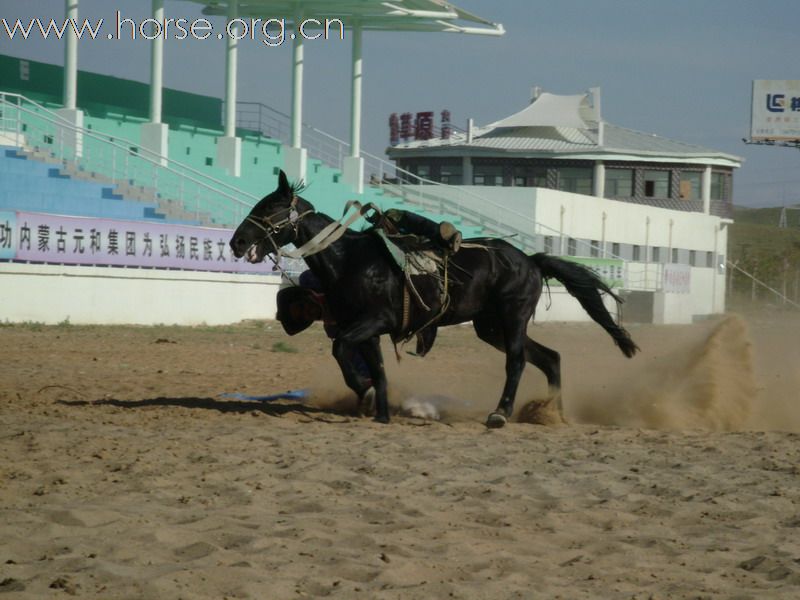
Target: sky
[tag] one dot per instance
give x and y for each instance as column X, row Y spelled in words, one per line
column 682, row 69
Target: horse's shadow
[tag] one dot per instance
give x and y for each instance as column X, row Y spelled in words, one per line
column 277, row 408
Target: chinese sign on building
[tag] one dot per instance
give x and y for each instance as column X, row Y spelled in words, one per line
column 677, row 279
column 421, row 126
column 36, row 237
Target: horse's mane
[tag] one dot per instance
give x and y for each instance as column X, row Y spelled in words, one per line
column 298, row 187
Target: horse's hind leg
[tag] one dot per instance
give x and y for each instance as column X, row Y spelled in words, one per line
column 510, row 338
column 548, row 361
column 545, row 359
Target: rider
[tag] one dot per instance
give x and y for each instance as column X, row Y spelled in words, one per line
column 301, row 305
column 395, row 220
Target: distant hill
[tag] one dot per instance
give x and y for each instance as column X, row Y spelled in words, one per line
column 759, row 246
column 766, row 216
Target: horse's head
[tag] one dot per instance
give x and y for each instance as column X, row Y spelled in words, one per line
column 269, row 226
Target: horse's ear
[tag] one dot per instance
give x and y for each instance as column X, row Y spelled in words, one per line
column 284, row 189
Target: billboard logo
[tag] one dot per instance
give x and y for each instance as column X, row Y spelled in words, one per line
column 776, row 103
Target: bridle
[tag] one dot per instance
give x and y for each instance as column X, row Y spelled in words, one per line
column 290, row 217
column 271, row 227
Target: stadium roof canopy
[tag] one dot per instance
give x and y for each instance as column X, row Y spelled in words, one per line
column 370, row 15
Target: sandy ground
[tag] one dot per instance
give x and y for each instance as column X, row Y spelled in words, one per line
column 124, row 474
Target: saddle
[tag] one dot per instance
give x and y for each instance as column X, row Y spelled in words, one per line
column 418, row 257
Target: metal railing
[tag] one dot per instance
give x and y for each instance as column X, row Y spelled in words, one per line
column 273, row 123
column 127, row 165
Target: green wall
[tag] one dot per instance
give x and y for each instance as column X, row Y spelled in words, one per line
column 102, row 94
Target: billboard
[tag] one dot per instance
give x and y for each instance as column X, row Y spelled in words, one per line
column 58, row 239
column 775, row 110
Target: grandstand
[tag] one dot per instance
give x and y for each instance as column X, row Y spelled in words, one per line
column 190, row 180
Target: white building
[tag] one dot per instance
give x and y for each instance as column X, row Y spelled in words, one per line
column 651, row 211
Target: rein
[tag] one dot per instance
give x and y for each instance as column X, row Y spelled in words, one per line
column 322, row 240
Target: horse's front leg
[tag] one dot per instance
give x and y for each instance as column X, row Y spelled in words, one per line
column 365, row 334
column 374, row 357
column 355, row 371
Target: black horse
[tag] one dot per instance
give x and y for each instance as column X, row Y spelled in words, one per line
column 493, row 284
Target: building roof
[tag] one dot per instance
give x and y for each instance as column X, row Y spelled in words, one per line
column 560, row 129
column 548, row 110
column 371, row 15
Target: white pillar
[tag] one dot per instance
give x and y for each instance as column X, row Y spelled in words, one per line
column 603, row 252
column 669, row 251
column 355, row 108
column 297, row 92
column 229, row 147
column 295, row 163
column 599, row 179
column 466, row 170
column 157, row 66
column 231, row 53
column 154, row 133
column 71, row 58
column 70, row 138
column 706, row 190
column 353, row 167
column 647, row 252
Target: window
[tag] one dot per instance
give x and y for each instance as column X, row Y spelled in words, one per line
column 615, row 249
column 656, row 184
column 451, row 174
column 572, row 247
column 690, row 185
column 423, row 171
column 717, row 186
column 594, row 248
column 577, row 180
column 637, row 253
column 619, row 183
column 487, row 175
column 656, row 254
column 527, row 176
column 674, row 256
column 709, row 259
column 548, row 244
column 693, row 258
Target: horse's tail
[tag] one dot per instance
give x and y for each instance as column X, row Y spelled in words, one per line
column 586, row 287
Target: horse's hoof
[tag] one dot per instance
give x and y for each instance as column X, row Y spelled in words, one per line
column 496, row 420
column 383, row 420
